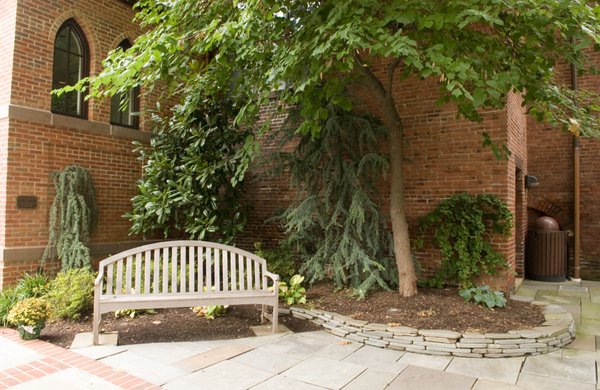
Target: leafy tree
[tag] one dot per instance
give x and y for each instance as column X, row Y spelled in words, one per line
column 310, row 51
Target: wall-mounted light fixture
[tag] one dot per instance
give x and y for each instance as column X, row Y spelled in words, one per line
column 531, row 181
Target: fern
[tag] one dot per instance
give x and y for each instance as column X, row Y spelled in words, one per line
column 334, row 223
column 73, row 216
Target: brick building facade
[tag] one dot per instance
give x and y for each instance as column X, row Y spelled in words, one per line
column 444, row 155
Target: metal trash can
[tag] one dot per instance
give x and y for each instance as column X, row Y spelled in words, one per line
column 546, row 252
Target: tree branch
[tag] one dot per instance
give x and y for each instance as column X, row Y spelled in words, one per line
column 390, row 74
column 373, row 81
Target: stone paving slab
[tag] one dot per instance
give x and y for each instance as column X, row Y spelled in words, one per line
column 590, row 311
column 16, row 356
column 563, row 300
column 588, row 327
column 377, row 358
column 339, row 350
column 83, row 340
column 213, row 356
column 484, row 384
column 296, row 346
column 584, row 343
column 561, row 368
column 267, row 330
column 419, row 378
column 529, row 381
column 576, row 354
column 502, row 370
column 332, row 374
column 281, row 382
column 270, row 362
column 542, row 294
column 223, row 375
column 427, row 361
column 147, row 368
column 371, row 379
column 571, row 288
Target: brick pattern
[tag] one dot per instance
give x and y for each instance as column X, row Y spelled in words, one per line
column 55, row 359
column 31, row 150
column 444, row 155
column 551, row 161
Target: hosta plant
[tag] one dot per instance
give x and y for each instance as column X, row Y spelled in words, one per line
column 293, row 293
column 483, row 295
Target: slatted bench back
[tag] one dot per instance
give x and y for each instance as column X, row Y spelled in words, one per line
column 182, row 267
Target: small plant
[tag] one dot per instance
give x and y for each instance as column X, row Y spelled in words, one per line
column 71, row 293
column 132, row 313
column 29, row 315
column 210, row 312
column 280, row 260
column 9, row 296
column 33, row 286
column 293, row 293
column 483, row 295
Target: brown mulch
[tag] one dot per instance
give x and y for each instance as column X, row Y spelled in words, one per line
column 430, row 309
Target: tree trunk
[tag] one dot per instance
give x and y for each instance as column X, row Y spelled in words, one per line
column 391, row 119
column 406, row 270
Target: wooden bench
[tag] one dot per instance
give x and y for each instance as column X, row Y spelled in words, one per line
column 183, row 274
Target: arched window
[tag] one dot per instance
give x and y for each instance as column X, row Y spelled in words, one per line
column 71, row 59
column 124, row 107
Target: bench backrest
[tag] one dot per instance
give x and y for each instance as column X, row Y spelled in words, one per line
column 181, row 267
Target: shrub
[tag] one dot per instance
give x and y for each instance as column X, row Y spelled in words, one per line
column 71, row 294
column 280, row 260
column 29, row 315
column 33, row 286
column 293, row 293
column 9, row 296
column 463, row 227
column 483, row 295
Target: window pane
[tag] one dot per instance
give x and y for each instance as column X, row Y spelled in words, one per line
column 115, row 114
column 59, row 72
column 75, row 68
column 59, row 103
column 72, row 104
column 62, row 39
column 75, row 46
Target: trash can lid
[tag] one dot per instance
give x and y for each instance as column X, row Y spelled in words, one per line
column 546, row 224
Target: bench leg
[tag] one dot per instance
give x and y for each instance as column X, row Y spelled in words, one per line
column 275, row 318
column 96, row 327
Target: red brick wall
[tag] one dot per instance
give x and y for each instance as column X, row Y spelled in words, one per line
column 39, row 143
column 551, row 161
column 443, row 156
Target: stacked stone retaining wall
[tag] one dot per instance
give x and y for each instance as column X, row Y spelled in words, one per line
column 557, row 331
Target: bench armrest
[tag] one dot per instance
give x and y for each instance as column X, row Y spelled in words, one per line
column 98, row 279
column 273, row 276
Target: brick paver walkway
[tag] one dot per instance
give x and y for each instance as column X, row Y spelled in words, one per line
column 48, row 359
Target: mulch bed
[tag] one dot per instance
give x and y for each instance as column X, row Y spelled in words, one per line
column 430, row 309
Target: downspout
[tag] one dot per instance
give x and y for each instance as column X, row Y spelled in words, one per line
column 576, row 193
